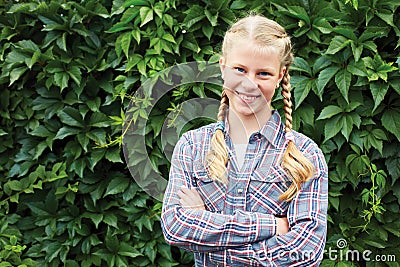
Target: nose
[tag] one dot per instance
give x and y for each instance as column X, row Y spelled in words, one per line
column 249, row 81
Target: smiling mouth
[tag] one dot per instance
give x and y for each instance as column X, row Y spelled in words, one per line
column 246, row 97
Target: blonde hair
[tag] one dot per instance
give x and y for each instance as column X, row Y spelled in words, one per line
column 268, row 35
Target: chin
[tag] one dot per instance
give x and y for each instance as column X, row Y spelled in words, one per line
column 245, row 113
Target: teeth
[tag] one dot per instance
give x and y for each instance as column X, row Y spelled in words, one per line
column 246, row 98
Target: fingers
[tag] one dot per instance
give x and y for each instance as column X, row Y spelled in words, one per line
column 282, row 226
column 190, row 199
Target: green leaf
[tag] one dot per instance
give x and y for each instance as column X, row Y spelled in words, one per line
column 332, row 127
column 300, row 13
column 338, row 43
column 117, row 185
column 71, row 117
column 357, row 68
column 343, row 80
column 329, row 111
column 208, row 31
column 62, row 42
column 346, row 32
column 168, row 20
column 114, row 155
column 347, row 123
column 213, row 19
column 378, row 90
column 194, row 15
column 61, row 80
column 357, row 51
column 2, row 132
column 79, row 166
column 145, row 221
column 300, row 64
column 323, row 25
column 126, row 42
column 146, row 15
column 334, row 201
column 75, row 73
column 99, row 119
column 391, row 122
column 128, row 250
column 111, row 220
column 35, row 57
column 375, row 244
column 14, row 185
column 301, row 87
column 16, row 73
column 168, row 37
column 95, row 217
column 324, row 77
column 66, row 131
column 238, row 4
column 41, row 131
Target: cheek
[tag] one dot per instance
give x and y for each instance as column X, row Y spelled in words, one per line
column 231, row 81
column 268, row 92
column 229, row 94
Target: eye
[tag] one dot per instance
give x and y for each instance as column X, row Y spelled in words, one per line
column 239, row 69
column 264, row 74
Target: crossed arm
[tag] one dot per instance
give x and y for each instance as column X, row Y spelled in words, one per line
column 191, row 199
column 187, row 224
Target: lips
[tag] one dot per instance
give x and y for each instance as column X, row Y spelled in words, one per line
column 247, row 97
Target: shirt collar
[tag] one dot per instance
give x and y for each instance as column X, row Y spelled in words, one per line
column 273, row 130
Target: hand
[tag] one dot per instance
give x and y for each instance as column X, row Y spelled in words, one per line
column 191, row 199
column 282, row 226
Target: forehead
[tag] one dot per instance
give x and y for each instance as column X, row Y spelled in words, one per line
column 250, row 53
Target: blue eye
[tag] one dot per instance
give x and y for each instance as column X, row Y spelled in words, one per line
column 241, row 70
column 264, row 74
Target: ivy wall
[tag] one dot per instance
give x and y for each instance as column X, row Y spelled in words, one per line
column 70, row 69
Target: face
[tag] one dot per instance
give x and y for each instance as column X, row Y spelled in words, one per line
column 250, row 78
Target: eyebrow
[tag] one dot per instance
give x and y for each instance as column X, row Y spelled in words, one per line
column 263, row 69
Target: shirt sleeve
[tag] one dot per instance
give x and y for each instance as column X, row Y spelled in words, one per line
column 204, row 231
column 304, row 244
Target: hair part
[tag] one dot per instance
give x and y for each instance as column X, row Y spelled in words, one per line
column 268, row 34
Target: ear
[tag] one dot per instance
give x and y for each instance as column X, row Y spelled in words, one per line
column 222, row 66
column 281, row 74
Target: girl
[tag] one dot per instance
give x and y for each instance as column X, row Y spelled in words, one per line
column 248, row 190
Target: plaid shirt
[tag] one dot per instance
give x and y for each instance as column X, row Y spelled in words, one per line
column 238, row 227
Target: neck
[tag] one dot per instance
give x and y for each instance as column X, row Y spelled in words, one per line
column 242, row 127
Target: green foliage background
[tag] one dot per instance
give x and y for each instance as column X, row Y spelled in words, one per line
column 69, row 69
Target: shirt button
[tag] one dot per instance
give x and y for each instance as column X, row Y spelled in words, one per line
column 240, row 190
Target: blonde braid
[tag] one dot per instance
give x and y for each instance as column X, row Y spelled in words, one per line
column 295, row 163
column 217, row 157
column 287, row 95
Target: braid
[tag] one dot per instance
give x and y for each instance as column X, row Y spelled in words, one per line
column 287, row 101
column 296, row 164
column 224, row 104
column 217, row 157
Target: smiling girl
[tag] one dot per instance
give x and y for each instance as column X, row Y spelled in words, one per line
column 248, row 190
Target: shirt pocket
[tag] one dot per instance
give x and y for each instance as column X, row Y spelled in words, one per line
column 210, row 191
column 265, row 187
